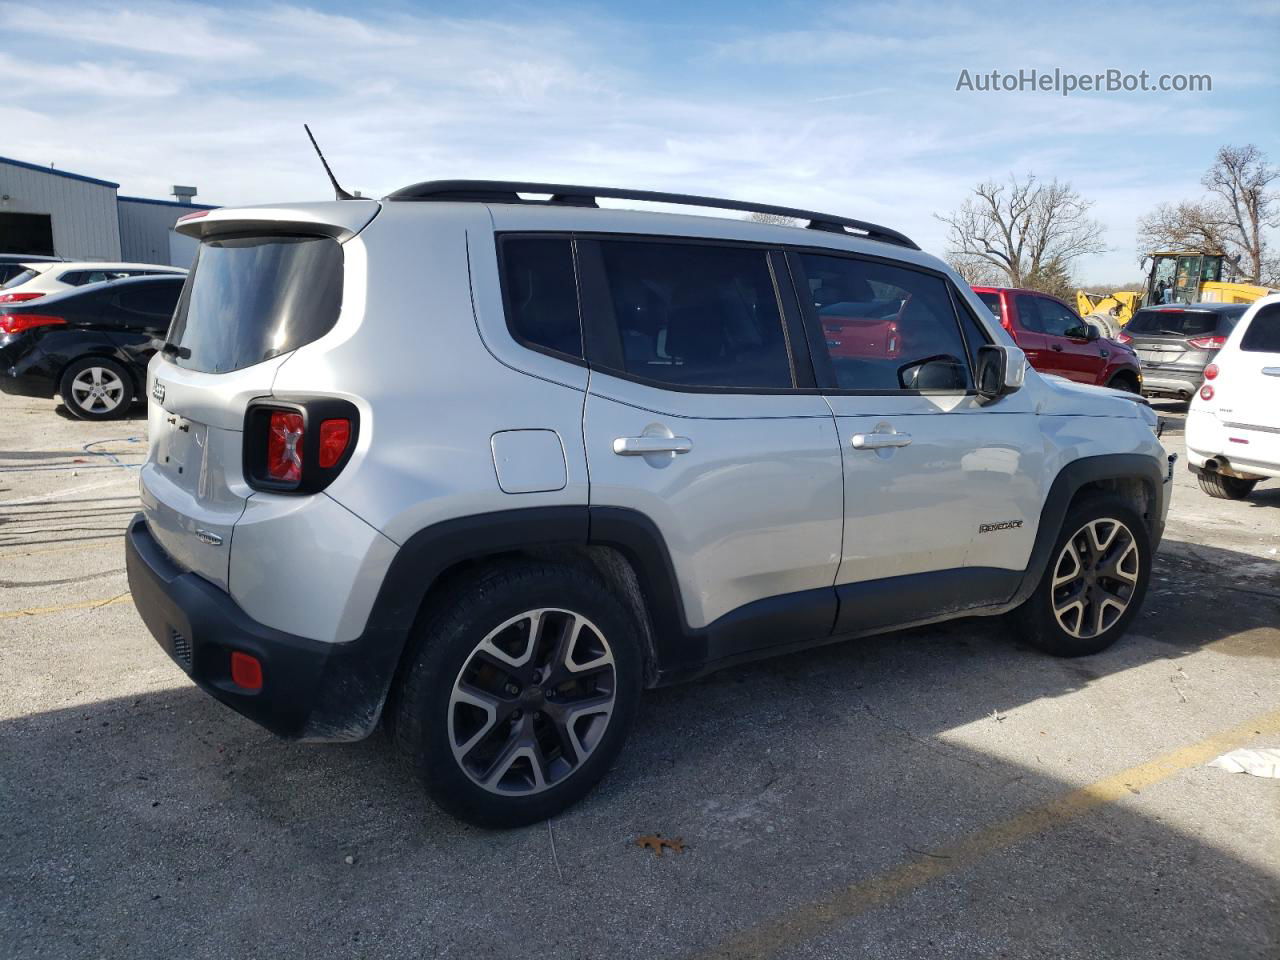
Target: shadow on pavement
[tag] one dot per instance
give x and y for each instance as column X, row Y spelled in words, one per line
column 164, row 825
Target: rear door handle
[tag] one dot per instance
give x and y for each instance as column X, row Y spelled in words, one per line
column 1271, row 371
column 878, row 441
column 639, row 446
column 1057, row 347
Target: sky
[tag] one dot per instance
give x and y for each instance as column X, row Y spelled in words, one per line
column 846, row 107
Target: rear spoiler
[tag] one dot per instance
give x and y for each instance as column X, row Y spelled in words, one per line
column 340, row 220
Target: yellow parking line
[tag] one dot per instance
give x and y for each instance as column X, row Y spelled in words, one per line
column 820, row 916
column 84, row 605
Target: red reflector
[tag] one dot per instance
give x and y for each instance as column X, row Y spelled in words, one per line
column 246, row 671
column 1208, row 343
column 1237, row 439
column 17, row 322
column 284, row 447
column 19, row 297
column 1123, row 337
column 334, row 436
column 193, row 216
column 1211, row 371
column 1206, row 392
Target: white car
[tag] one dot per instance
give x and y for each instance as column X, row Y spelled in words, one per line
column 40, row 278
column 1233, row 429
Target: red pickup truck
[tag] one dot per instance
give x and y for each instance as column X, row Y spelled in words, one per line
column 1056, row 340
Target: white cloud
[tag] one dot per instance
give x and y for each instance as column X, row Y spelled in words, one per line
column 861, row 118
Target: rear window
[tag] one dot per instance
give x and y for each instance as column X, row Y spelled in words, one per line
column 992, row 300
column 249, row 299
column 1183, row 323
column 18, row 278
column 1263, row 334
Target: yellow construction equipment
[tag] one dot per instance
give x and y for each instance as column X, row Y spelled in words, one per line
column 1176, row 276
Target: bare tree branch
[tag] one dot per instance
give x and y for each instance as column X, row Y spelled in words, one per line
column 1023, row 229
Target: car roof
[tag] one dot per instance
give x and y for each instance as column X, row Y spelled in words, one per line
column 1028, row 290
column 1225, row 308
column 71, row 293
column 117, row 265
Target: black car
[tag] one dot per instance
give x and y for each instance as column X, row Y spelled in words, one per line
column 90, row 344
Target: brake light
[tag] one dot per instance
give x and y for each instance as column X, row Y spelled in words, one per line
column 334, row 435
column 19, row 297
column 284, row 447
column 1123, row 337
column 1211, row 371
column 18, row 322
column 1208, row 343
column 246, row 670
column 1206, row 392
column 192, row 216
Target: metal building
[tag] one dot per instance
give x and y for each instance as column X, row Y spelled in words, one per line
column 55, row 213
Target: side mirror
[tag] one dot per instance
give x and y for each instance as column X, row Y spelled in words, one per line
column 1001, row 371
column 1091, row 332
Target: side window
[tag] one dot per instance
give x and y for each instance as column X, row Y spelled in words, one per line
column 74, row 278
column 697, row 315
column 150, row 301
column 1263, row 335
column 541, row 294
column 1057, row 320
column 886, row 327
column 1029, row 312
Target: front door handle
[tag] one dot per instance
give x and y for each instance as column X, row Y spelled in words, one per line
column 1057, row 347
column 878, row 441
column 640, row 446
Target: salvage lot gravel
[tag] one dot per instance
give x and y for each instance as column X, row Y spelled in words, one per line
column 941, row 792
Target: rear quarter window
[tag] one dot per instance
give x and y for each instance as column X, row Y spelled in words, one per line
column 992, row 300
column 1263, row 333
column 249, row 299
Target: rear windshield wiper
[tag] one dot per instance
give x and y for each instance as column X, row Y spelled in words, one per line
column 171, row 349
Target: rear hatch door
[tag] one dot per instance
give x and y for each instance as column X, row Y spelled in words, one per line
column 251, row 299
column 1180, row 338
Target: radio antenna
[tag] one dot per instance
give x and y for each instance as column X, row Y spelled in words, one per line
column 340, row 194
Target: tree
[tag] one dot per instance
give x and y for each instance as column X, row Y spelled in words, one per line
column 1023, row 229
column 976, row 272
column 1232, row 219
column 1054, row 279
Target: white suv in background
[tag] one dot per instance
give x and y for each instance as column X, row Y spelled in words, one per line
column 40, row 278
column 1233, row 428
column 485, row 460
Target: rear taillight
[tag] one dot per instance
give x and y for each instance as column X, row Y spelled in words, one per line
column 1123, row 337
column 284, row 447
column 17, row 322
column 334, row 436
column 1206, row 392
column 1208, row 343
column 298, row 445
column 19, row 297
column 1211, row 371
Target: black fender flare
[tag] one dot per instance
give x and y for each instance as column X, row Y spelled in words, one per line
column 1070, row 480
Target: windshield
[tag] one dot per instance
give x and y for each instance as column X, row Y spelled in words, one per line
column 249, row 299
column 1184, row 323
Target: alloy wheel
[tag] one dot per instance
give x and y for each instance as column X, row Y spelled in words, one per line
column 1094, row 578
column 97, row 390
column 532, row 702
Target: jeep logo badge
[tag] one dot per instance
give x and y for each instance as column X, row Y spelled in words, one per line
column 157, row 392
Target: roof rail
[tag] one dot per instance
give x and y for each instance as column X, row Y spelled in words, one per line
column 503, row 191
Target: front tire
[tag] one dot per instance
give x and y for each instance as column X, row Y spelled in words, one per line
column 1094, row 583
column 1225, row 488
column 96, row 388
column 521, row 692
column 1125, row 382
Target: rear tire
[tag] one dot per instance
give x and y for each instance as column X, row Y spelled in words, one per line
column 96, row 388
column 1094, row 583
column 1225, row 488
column 522, row 688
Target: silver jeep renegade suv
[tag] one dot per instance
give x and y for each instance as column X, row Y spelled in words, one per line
column 484, row 460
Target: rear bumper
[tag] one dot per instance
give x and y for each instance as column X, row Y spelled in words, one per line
column 311, row 690
column 1170, row 384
